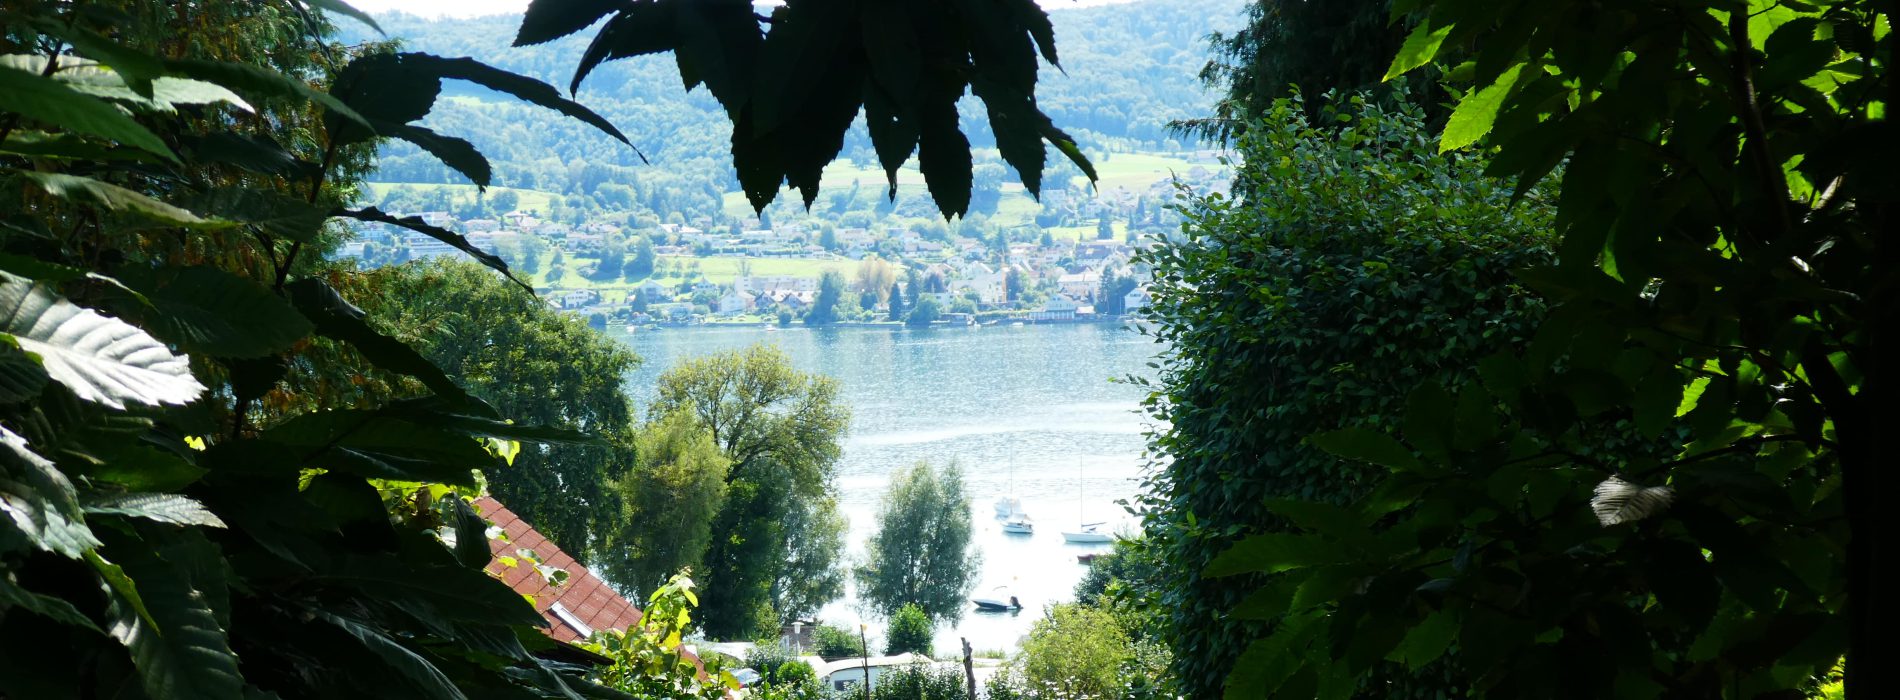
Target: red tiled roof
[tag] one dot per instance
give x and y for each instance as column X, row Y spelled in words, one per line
column 584, row 595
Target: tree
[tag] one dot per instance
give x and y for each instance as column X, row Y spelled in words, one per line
column 913, row 286
column 909, row 631
column 1313, row 48
column 896, row 298
column 1322, row 262
column 642, row 264
column 505, row 201
column 530, row 362
column 1075, row 652
column 811, row 575
column 824, row 307
column 921, row 553
column 1104, row 229
column 780, row 428
column 671, row 494
column 926, row 313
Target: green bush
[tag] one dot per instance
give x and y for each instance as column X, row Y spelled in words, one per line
column 833, row 642
column 919, row 682
column 1352, row 263
column 909, row 631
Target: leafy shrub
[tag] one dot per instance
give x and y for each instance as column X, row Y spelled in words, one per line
column 910, row 631
column 834, row 642
column 919, row 682
column 648, row 660
column 1352, row 264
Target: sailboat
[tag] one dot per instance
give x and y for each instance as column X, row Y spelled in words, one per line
column 1089, row 533
column 1009, row 508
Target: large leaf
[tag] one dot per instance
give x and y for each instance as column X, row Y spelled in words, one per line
column 261, row 83
column 53, row 103
column 117, row 198
column 168, row 508
column 520, row 86
column 278, row 215
column 1420, row 47
column 186, row 655
column 212, row 312
column 13, row 596
column 547, row 20
column 1475, row 114
column 471, row 532
column 453, row 592
column 376, row 445
column 20, row 377
column 1273, row 553
column 454, row 152
column 1616, row 501
column 414, row 672
column 336, row 318
column 101, row 359
column 39, row 501
column 1367, row 445
column 456, row 240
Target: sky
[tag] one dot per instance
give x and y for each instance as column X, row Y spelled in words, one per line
column 477, row 8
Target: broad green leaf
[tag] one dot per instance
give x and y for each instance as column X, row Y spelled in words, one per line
column 1427, row 640
column 455, row 592
column 180, row 651
column 39, row 501
column 167, row 94
column 1420, row 47
column 212, row 312
column 1367, row 445
column 101, row 359
column 1477, row 111
column 1429, row 414
column 260, row 82
column 1272, row 553
column 134, row 68
column 135, row 466
column 120, row 586
column 338, row 319
column 413, row 672
column 116, row 198
column 1323, row 518
column 281, row 216
column 53, row 103
column 70, row 147
column 168, row 508
column 57, row 609
column 379, row 446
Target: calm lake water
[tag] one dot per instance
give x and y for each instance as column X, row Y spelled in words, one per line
column 1036, row 409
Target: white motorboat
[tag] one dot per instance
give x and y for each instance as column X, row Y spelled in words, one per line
column 1091, row 534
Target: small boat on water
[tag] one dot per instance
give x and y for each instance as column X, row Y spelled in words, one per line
column 1019, row 524
column 1086, row 558
column 999, row 600
column 1091, row 534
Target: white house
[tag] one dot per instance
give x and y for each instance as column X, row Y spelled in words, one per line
column 1080, row 284
column 1060, row 308
column 736, row 301
column 1135, row 300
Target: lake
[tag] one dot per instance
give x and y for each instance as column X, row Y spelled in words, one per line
column 1035, row 409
